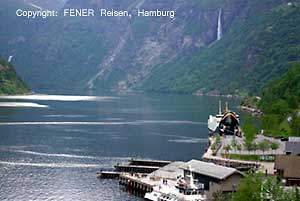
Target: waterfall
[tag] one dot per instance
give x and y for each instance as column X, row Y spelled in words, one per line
column 10, row 58
column 219, row 30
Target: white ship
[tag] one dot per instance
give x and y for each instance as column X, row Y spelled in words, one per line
column 183, row 191
column 214, row 121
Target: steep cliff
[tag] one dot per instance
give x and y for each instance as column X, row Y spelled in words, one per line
column 210, row 44
column 257, row 47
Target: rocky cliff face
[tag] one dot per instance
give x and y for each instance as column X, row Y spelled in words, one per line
column 121, row 53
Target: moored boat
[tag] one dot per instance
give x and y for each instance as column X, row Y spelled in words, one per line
column 226, row 123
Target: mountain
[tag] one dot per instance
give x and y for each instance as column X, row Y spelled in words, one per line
column 10, row 83
column 233, row 46
column 256, row 49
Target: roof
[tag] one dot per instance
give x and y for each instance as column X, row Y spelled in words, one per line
column 293, row 147
column 171, row 171
column 289, row 164
column 209, row 169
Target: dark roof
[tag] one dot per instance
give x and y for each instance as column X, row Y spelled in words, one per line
column 289, row 164
column 293, row 147
column 209, row 169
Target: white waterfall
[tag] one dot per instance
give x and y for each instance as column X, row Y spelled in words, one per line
column 219, row 30
column 10, row 58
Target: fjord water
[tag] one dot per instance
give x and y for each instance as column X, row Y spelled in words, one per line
column 54, row 152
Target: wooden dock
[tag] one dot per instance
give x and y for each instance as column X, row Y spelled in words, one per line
column 136, row 168
column 134, row 181
column 108, row 175
column 144, row 183
column 141, row 166
column 158, row 163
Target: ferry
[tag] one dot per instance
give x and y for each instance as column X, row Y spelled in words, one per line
column 214, row 121
column 183, row 191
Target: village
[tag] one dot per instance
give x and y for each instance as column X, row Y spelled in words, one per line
column 226, row 161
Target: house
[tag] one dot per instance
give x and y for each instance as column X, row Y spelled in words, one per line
column 214, row 177
column 288, row 168
column 292, row 147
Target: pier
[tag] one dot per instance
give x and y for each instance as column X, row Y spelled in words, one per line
column 108, row 175
column 135, row 182
column 141, row 166
column 145, row 182
column 134, row 166
column 158, row 163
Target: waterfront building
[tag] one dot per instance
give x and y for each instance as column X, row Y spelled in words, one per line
column 214, row 177
column 287, row 167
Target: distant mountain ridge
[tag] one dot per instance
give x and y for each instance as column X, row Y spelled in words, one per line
column 180, row 55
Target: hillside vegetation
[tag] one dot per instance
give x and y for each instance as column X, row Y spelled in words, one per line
column 256, row 49
column 280, row 103
column 178, row 55
column 10, row 83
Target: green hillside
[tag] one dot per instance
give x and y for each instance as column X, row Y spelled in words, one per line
column 256, row 49
column 280, row 103
column 10, row 83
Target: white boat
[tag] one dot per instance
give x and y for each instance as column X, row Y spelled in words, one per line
column 168, row 193
column 183, row 191
column 214, row 121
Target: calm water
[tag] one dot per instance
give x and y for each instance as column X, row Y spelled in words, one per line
column 53, row 153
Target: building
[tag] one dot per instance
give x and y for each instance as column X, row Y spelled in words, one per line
column 214, row 177
column 292, row 147
column 288, row 168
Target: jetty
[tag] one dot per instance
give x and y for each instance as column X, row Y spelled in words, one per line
column 141, row 166
column 134, row 166
column 108, row 175
column 145, row 182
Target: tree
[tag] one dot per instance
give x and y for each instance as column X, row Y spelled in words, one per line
column 234, row 143
column 249, row 128
column 274, row 146
column 218, row 139
column 213, row 147
column 219, row 196
column 254, row 147
column 295, row 125
column 228, row 148
column 249, row 188
column 263, row 145
column 258, row 187
column 248, row 145
column 239, row 147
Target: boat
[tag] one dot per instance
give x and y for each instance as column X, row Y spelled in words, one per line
column 214, row 121
column 226, row 123
column 182, row 191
